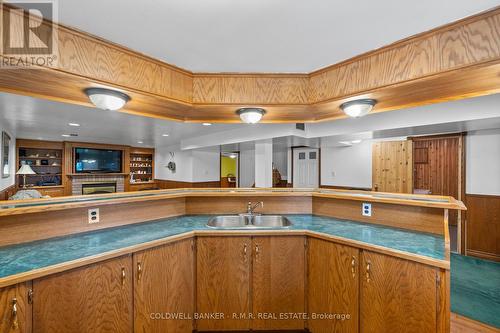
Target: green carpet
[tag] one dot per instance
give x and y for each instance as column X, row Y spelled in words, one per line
column 475, row 289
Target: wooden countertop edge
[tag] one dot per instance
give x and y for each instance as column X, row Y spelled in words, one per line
column 57, row 268
column 450, row 204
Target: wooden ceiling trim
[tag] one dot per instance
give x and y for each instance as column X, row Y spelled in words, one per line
column 450, row 62
column 475, row 40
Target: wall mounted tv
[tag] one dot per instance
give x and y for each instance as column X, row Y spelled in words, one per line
column 98, row 160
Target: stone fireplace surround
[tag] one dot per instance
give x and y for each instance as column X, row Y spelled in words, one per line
column 79, row 180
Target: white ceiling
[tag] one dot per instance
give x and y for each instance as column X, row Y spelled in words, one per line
column 260, row 35
column 33, row 118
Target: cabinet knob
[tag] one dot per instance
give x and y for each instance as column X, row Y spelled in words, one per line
column 15, row 321
column 368, row 269
column 139, row 271
column 245, row 250
column 353, row 266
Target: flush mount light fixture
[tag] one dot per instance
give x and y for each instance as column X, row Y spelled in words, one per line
column 207, row 124
column 164, row 135
column 74, row 124
column 358, row 108
column 250, row 115
column 140, row 142
column 107, row 99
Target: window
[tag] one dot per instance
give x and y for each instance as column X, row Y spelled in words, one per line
column 302, row 156
column 312, row 155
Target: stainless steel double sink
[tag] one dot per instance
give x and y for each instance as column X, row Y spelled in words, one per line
column 247, row 221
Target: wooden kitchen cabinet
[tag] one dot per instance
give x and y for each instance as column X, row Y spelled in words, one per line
column 15, row 310
column 92, row 299
column 333, row 286
column 397, row 295
column 278, row 282
column 223, row 282
column 164, row 288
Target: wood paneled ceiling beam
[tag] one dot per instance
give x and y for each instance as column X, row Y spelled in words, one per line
column 455, row 61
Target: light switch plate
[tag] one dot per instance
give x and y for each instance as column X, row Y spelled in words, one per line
column 366, row 209
column 93, row 215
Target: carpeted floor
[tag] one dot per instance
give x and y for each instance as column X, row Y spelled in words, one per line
column 475, row 289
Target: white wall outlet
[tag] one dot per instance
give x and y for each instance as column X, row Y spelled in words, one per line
column 333, row 174
column 366, row 209
column 93, row 215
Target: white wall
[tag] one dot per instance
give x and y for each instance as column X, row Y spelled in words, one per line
column 264, row 163
column 347, row 166
column 247, row 167
column 483, row 162
column 191, row 165
column 6, row 182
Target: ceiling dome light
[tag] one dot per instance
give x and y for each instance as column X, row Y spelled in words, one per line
column 358, row 108
column 107, row 99
column 251, row 115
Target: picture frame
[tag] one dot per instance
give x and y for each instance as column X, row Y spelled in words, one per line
column 5, row 158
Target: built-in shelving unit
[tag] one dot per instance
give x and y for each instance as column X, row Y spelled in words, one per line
column 141, row 166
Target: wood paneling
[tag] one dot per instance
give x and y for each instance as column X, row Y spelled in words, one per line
column 164, row 288
column 6, row 193
column 223, row 282
column 236, row 205
column 96, row 298
column 29, row 227
column 483, row 226
column 458, row 60
column 278, row 281
column 167, row 184
column 333, row 286
column 396, row 295
column 392, row 166
column 265, row 89
column 19, row 322
column 414, row 218
column 437, row 167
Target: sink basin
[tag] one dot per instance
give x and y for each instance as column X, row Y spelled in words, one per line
column 249, row 222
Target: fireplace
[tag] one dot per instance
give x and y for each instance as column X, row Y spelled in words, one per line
column 98, row 188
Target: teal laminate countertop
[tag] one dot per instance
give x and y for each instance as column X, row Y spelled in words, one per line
column 26, row 257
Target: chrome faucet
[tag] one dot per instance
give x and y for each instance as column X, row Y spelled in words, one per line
column 251, row 208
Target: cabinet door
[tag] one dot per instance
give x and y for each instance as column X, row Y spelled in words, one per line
column 333, row 287
column 397, row 295
column 15, row 312
column 278, row 281
column 95, row 298
column 223, row 282
column 164, row 288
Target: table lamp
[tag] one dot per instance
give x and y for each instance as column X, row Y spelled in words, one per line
column 24, row 170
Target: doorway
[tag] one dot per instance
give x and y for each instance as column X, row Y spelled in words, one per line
column 229, row 169
column 305, row 167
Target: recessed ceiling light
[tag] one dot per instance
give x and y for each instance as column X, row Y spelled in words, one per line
column 347, row 143
column 355, row 141
column 74, row 124
column 140, row 142
column 358, row 108
column 107, row 99
column 66, row 135
column 164, row 135
column 207, row 124
column 250, row 115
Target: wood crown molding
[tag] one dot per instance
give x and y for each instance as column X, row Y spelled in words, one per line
column 454, row 61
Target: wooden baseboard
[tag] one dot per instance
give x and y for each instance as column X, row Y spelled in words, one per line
column 483, row 255
column 460, row 324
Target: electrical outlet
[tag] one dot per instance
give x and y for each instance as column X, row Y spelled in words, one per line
column 93, row 215
column 366, row 209
column 333, row 174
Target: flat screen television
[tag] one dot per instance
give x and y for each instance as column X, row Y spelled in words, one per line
column 98, row 160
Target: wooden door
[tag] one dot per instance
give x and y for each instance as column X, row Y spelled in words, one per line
column 397, row 295
column 164, row 288
column 223, row 282
column 333, row 286
column 437, row 167
column 91, row 299
column 15, row 310
column 392, row 166
column 278, row 281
